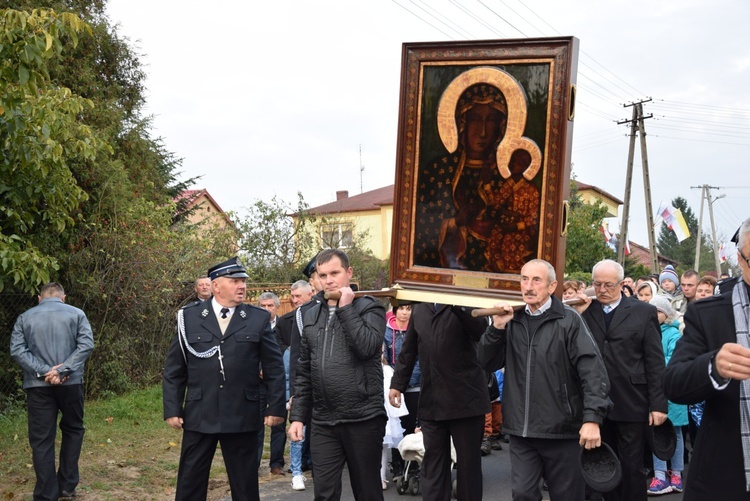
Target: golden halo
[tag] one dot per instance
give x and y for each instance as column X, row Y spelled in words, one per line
column 516, row 99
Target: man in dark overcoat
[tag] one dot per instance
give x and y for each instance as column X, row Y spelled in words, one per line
column 453, row 399
column 711, row 362
column 211, row 385
column 629, row 338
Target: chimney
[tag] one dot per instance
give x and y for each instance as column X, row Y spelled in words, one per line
column 340, row 195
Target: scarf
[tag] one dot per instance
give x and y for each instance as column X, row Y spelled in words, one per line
column 741, row 309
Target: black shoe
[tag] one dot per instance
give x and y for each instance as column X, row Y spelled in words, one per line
column 486, row 446
column 496, row 443
column 68, row 494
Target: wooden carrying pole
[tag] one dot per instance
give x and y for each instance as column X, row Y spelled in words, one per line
column 484, row 306
column 486, row 312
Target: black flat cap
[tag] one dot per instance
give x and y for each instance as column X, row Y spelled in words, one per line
column 310, row 268
column 601, row 468
column 662, row 440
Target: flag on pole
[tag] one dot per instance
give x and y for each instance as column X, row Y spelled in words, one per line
column 609, row 238
column 674, row 219
column 723, row 253
column 679, row 226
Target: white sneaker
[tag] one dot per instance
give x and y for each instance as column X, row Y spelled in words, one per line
column 298, row 483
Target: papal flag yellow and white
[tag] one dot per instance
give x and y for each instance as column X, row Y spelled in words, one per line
column 674, row 219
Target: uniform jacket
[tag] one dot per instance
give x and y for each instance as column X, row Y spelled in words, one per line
column 716, row 466
column 193, row 387
column 555, row 380
column 49, row 334
column 454, row 384
column 633, row 356
column 339, row 374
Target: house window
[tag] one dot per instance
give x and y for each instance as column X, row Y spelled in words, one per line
column 337, row 236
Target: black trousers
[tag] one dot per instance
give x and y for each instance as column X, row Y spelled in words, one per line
column 278, row 435
column 43, row 405
column 278, row 444
column 435, row 476
column 359, row 445
column 558, row 459
column 240, row 458
column 628, row 440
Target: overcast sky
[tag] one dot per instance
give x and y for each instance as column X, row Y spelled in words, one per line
column 272, row 98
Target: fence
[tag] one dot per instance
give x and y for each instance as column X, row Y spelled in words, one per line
column 11, row 305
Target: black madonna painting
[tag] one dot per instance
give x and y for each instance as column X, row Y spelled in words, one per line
column 483, row 161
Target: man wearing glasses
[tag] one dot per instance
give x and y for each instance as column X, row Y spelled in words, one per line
column 712, row 362
column 629, row 338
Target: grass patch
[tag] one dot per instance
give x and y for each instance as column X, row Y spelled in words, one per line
column 129, row 452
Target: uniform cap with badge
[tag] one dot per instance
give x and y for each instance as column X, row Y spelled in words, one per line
column 231, row 268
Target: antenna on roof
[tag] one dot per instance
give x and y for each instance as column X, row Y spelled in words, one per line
column 361, row 170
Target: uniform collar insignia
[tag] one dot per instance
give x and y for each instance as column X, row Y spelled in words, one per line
column 243, row 314
column 204, row 313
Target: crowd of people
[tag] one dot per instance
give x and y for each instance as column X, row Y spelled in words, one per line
column 603, row 364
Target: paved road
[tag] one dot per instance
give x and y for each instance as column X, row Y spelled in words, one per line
column 496, row 477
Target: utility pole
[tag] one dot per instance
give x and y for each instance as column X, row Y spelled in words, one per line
column 628, row 183
column 636, row 123
column 699, row 237
column 706, row 194
column 717, row 261
column 647, row 191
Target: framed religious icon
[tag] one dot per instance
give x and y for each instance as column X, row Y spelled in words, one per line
column 483, row 163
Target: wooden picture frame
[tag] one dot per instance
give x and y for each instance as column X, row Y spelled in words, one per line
column 483, row 163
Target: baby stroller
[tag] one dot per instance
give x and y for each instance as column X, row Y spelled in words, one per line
column 411, row 448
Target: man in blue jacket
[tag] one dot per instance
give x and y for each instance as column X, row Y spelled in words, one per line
column 51, row 342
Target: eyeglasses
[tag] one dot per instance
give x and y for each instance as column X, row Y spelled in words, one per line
column 747, row 259
column 606, row 285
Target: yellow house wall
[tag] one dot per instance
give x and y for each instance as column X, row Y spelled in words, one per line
column 593, row 198
column 377, row 223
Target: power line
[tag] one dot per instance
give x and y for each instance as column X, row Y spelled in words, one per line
column 423, row 20
column 698, row 140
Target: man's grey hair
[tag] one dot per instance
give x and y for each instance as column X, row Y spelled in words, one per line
column 269, row 295
column 301, row 284
column 551, row 275
column 609, row 263
column 744, row 236
column 199, row 278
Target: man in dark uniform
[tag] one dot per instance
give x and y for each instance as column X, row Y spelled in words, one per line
column 211, row 385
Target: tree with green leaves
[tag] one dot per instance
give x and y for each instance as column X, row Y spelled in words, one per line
column 273, row 244
column 86, row 193
column 585, row 244
column 41, row 136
